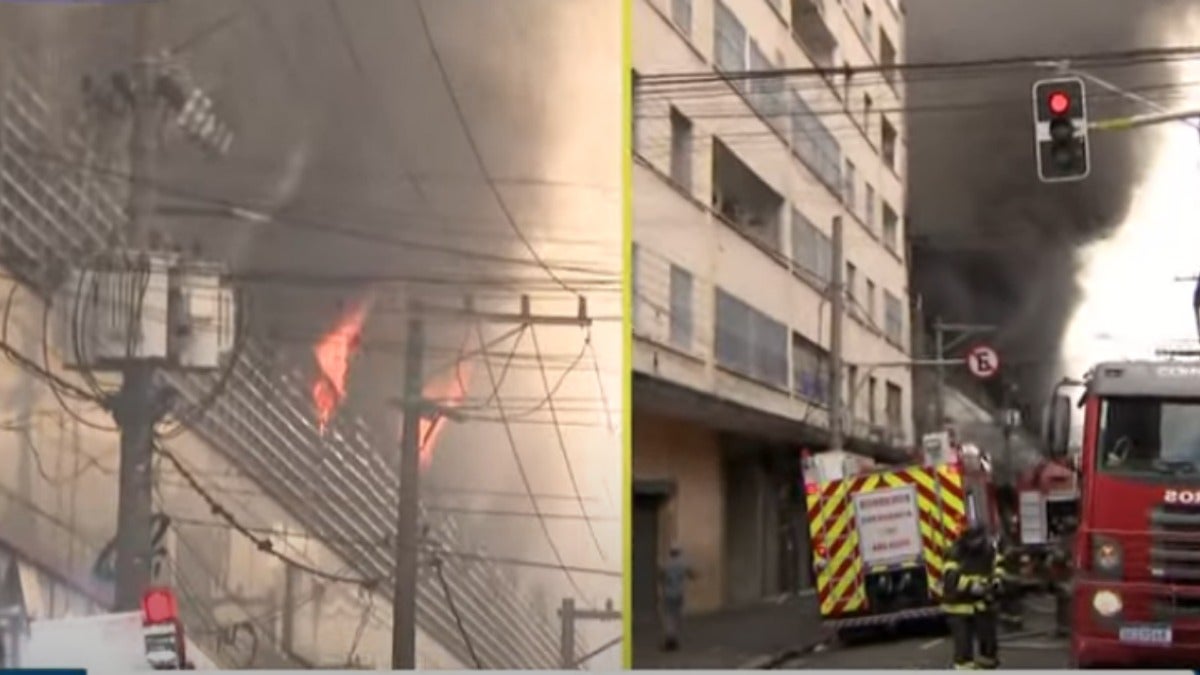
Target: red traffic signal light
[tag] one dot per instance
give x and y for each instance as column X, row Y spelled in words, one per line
column 1059, row 102
column 159, row 606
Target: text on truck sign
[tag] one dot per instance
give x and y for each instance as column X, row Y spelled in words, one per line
column 888, row 525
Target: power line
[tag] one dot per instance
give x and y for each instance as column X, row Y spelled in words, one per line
column 470, row 137
column 1142, row 55
column 458, row 619
column 267, row 546
column 512, row 445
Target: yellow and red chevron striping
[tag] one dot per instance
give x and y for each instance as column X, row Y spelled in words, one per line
column 940, row 500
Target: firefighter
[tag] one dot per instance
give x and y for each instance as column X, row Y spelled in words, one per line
column 1009, row 605
column 968, row 599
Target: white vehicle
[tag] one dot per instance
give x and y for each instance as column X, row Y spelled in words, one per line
column 151, row 639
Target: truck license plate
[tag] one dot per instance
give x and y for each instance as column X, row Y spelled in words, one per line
column 1146, row 635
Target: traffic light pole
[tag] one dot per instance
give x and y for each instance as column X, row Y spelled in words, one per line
column 1064, row 68
column 1148, row 119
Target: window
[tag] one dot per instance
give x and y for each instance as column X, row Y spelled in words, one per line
column 894, row 404
column 812, row 250
column 729, row 41
column 851, row 390
column 848, row 195
column 766, row 93
column 810, row 370
column 869, row 206
column 868, row 28
column 681, row 308
column 750, row 342
column 814, row 144
column 891, row 228
column 681, row 150
column 851, row 281
column 887, row 57
column 888, row 144
column 681, row 14
column 868, row 108
column 870, row 302
column 1149, row 437
column 871, row 385
column 893, row 319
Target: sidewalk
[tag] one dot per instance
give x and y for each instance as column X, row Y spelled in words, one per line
column 733, row 638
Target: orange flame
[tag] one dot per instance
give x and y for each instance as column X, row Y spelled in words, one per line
column 334, row 353
column 448, row 390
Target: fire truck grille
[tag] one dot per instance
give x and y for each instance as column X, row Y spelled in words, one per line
column 1175, row 545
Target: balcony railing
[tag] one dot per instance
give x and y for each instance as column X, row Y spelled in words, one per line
column 54, row 210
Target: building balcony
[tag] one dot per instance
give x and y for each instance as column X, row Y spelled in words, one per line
column 812, row 32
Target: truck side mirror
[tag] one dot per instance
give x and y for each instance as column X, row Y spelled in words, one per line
column 1058, row 427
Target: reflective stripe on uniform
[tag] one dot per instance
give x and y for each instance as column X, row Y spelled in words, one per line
column 958, row 608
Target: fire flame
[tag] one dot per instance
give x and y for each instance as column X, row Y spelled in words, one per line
column 448, row 390
column 334, row 353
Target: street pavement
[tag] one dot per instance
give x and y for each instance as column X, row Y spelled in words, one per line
column 1034, row 647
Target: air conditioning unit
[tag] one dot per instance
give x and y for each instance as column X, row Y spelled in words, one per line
column 110, row 313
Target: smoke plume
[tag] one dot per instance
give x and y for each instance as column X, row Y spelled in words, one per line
column 992, row 244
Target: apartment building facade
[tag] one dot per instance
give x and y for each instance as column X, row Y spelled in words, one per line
column 737, row 183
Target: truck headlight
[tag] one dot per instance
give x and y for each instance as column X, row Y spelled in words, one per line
column 1106, row 555
column 1107, row 603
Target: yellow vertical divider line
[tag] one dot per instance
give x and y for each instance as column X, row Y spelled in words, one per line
column 627, row 330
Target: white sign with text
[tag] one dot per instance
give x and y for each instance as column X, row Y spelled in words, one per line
column 889, row 529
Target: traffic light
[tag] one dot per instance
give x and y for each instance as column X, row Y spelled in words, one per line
column 1061, row 129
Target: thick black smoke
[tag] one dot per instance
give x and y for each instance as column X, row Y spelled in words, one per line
column 992, row 244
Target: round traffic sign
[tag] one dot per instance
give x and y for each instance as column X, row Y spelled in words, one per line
column 983, row 361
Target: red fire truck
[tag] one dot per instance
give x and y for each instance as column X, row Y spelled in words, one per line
column 1136, row 597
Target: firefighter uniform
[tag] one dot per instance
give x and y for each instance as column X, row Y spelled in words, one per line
column 1009, row 605
column 968, row 600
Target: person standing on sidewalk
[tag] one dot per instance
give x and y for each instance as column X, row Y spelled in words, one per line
column 675, row 573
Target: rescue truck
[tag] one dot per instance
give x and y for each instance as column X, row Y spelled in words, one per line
column 152, row 639
column 1136, row 593
column 879, row 537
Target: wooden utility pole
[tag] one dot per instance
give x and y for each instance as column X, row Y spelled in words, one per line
column 415, row 408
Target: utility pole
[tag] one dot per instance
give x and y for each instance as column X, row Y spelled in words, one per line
column 837, row 310
column 137, row 407
column 404, row 597
column 569, row 615
column 415, row 408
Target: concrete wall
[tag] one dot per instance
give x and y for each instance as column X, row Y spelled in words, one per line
column 668, row 449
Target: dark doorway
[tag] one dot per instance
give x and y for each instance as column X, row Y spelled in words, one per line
column 649, row 497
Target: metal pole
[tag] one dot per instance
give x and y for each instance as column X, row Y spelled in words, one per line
column 135, row 408
column 939, row 394
column 1147, row 119
column 404, row 598
column 566, row 643
column 837, row 306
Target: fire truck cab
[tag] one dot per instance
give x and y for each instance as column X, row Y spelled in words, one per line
column 1136, row 597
